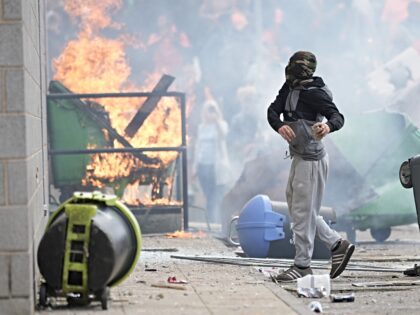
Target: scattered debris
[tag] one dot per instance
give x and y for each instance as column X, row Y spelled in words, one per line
column 314, row 286
column 386, row 259
column 413, row 272
column 342, row 298
column 254, row 282
column 282, row 263
column 342, row 289
column 167, row 286
column 183, row 234
column 141, row 281
column 315, row 307
column 174, row 280
column 159, row 249
column 312, row 292
column 387, row 283
column 116, row 300
column 273, row 278
column 268, row 272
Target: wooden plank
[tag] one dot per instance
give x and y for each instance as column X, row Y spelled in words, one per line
column 148, row 106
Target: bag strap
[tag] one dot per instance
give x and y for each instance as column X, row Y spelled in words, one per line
column 293, row 98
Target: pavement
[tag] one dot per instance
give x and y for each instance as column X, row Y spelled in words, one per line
column 210, row 288
column 214, row 288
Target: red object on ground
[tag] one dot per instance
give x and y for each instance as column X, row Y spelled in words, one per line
column 174, row 280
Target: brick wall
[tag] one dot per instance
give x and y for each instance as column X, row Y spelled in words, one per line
column 23, row 160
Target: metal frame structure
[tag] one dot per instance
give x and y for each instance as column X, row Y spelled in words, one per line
column 181, row 149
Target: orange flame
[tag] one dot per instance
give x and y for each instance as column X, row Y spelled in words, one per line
column 92, row 63
column 183, row 234
column 94, row 15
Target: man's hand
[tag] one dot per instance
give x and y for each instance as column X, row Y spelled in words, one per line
column 320, row 130
column 287, row 133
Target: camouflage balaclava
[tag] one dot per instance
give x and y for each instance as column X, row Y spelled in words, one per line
column 301, row 67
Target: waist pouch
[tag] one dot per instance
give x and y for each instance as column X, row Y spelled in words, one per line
column 304, row 145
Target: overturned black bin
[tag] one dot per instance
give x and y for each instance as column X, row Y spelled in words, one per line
column 91, row 242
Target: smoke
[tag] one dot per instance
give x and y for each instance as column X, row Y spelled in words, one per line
column 368, row 55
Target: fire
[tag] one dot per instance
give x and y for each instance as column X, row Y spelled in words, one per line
column 93, row 15
column 92, row 63
column 183, row 234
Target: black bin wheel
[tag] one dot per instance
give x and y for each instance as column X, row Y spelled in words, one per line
column 405, row 175
column 76, row 301
column 104, row 295
column 43, row 296
column 380, row 234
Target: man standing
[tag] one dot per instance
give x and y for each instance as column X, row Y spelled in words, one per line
column 303, row 101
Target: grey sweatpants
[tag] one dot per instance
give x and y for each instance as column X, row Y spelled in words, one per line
column 304, row 192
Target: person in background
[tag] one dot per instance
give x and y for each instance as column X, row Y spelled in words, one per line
column 303, row 101
column 243, row 137
column 211, row 163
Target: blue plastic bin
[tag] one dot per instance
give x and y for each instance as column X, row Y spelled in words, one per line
column 258, row 225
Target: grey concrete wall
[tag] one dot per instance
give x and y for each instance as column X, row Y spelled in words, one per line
column 23, row 160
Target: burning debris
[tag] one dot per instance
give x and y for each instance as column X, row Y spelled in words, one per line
column 148, row 106
column 92, row 63
column 120, row 170
column 183, row 234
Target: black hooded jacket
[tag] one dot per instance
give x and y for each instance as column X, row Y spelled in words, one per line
column 312, row 101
